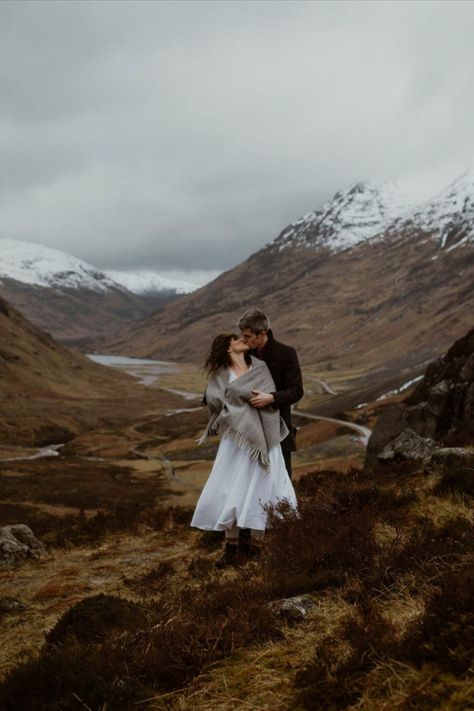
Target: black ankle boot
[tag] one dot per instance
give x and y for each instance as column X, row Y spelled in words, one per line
column 229, row 556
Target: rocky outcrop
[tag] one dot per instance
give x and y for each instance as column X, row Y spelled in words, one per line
column 447, row 394
column 408, row 445
column 18, row 542
column 437, row 419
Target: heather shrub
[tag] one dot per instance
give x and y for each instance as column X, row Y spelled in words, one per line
column 445, row 633
column 429, row 546
column 94, row 617
column 438, row 649
column 211, row 540
column 78, row 530
column 335, row 677
column 200, row 567
column 153, row 581
column 457, row 478
column 354, row 486
column 181, row 515
column 330, row 539
column 83, row 661
column 163, row 649
column 128, row 517
column 73, row 676
column 201, row 625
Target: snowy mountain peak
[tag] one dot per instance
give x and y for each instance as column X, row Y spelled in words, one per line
column 449, row 216
column 34, row 264
column 361, row 211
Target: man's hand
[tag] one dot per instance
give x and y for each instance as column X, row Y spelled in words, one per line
column 260, row 399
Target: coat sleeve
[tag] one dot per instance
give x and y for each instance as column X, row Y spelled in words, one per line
column 292, row 390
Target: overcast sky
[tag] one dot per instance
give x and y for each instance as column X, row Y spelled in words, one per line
column 185, row 135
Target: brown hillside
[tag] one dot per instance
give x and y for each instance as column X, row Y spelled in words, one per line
column 76, row 317
column 383, row 305
column 49, row 393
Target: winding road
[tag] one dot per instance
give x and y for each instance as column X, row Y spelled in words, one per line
column 363, row 432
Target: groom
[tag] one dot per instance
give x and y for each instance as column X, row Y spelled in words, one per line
column 283, row 364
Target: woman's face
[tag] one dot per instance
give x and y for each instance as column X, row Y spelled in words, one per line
column 238, row 345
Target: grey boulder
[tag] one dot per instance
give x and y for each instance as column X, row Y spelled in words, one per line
column 18, row 542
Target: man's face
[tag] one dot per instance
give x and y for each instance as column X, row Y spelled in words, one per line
column 252, row 339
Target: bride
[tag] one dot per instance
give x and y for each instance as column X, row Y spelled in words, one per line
column 249, row 472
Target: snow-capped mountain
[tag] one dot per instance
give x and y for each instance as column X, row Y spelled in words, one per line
column 449, row 216
column 352, row 216
column 368, row 211
column 37, row 265
column 361, row 283
column 145, row 282
column 74, row 301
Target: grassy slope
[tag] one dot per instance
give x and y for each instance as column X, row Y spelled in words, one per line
column 49, row 394
column 208, row 641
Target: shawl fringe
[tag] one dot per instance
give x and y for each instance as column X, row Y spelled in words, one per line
column 242, row 442
column 239, row 438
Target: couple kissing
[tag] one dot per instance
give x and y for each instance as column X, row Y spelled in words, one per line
column 253, row 380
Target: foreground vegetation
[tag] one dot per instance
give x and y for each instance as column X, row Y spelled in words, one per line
column 387, row 563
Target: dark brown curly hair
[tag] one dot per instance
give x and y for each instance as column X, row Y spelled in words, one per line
column 218, row 357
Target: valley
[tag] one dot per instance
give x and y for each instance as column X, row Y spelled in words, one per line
column 113, row 497
column 158, row 445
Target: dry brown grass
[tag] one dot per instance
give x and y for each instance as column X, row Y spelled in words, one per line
column 378, row 557
column 261, row 678
column 51, row 586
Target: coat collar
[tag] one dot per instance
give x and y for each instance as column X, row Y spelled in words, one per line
column 268, row 347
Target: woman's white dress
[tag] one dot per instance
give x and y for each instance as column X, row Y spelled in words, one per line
column 239, row 488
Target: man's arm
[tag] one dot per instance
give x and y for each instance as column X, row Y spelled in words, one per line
column 293, row 390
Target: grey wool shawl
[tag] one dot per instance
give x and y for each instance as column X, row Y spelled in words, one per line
column 255, row 429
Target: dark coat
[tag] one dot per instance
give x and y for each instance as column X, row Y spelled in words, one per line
column 283, row 364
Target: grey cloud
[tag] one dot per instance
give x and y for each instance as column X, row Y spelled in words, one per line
column 188, row 134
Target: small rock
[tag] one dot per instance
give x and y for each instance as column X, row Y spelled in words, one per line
column 293, row 609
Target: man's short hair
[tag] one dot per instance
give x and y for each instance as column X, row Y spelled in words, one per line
column 255, row 320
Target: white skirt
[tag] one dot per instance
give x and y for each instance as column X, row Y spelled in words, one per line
column 238, row 489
